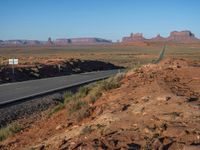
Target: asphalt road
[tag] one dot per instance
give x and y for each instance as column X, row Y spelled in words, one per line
column 21, row 90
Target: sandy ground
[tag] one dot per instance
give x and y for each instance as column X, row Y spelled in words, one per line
column 156, row 107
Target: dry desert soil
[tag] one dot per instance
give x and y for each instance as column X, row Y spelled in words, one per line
column 156, row 106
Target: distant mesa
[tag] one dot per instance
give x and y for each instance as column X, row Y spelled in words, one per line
column 175, row 36
column 134, row 37
column 158, row 38
column 21, row 42
column 81, row 41
column 183, row 36
column 61, row 42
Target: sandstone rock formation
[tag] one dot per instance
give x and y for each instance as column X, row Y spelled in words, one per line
column 56, row 42
column 134, row 37
column 81, row 41
column 88, row 40
column 183, row 36
column 49, row 42
column 61, row 42
column 158, row 38
column 175, row 36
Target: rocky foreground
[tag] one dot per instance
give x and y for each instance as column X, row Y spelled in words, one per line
column 156, row 107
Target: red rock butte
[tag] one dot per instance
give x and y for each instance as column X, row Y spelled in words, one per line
column 175, row 36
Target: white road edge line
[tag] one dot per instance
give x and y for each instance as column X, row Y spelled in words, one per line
column 85, row 73
column 56, row 89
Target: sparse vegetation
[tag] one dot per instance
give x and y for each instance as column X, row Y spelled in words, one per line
column 84, row 112
column 95, row 96
column 111, row 83
column 87, row 130
column 76, row 105
column 56, row 109
column 67, row 97
column 83, row 91
column 9, row 131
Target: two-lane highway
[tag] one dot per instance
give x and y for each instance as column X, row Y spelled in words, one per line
column 21, row 90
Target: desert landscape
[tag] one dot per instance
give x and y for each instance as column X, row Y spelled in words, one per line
column 150, row 106
column 99, row 75
column 37, row 59
column 155, row 106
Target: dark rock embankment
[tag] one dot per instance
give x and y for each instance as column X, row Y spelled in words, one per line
column 51, row 69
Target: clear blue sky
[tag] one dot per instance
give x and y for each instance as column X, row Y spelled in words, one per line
column 111, row 19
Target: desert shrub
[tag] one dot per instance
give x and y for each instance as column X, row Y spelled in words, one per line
column 112, row 83
column 9, row 131
column 83, row 91
column 68, row 96
column 57, row 108
column 83, row 113
column 94, row 96
column 76, row 105
column 74, row 102
column 87, row 130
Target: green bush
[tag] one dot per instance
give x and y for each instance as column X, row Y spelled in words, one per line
column 9, row 131
column 68, row 96
column 94, row 96
column 56, row 108
column 112, row 83
column 76, row 105
column 86, row 130
column 83, row 91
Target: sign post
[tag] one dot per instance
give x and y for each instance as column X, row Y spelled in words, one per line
column 13, row 62
column 59, row 68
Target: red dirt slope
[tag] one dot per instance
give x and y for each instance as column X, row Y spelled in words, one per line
column 156, row 107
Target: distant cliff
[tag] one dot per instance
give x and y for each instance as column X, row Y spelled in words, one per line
column 175, row 36
column 21, row 42
column 81, row 41
column 183, row 36
column 56, row 42
column 134, row 37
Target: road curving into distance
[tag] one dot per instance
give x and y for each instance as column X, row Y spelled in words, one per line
column 12, row 92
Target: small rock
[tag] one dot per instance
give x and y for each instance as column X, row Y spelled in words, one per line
column 157, row 145
column 192, row 98
column 99, row 111
column 198, row 137
column 59, row 127
column 134, row 146
column 145, row 98
column 39, row 147
column 164, row 98
column 69, row 124
column 125, row 107
column 146, row 130
column 168, row 98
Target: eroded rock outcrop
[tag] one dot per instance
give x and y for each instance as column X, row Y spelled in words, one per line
column 182, row 36
column 158, row 38
column 134, row 37
column 175, row 36
column 81, row 41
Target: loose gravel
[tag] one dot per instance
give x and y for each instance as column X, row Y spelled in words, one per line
column 20, row 110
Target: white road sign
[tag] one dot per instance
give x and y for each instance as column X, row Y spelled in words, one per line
column 13, row 61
